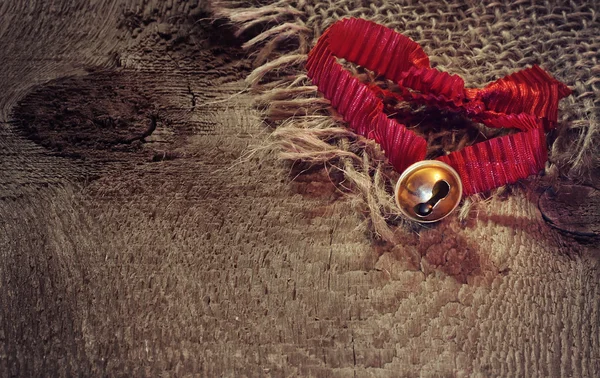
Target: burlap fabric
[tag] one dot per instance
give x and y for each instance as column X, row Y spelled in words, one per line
column 479, row 41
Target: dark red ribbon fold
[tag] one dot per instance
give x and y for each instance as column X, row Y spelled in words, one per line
column 526, row 100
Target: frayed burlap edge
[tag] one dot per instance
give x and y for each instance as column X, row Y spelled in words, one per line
column 308, row 130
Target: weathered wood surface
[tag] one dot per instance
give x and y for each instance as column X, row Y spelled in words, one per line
column 127, row 254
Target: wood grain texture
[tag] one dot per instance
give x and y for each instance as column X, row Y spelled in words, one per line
column 572, row 209
column 178, row 255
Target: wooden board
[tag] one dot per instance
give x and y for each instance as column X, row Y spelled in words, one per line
column 133, row 248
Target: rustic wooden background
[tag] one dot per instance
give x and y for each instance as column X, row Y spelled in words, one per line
column 138, row 239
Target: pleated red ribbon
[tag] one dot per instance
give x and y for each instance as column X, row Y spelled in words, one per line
column 526, row 100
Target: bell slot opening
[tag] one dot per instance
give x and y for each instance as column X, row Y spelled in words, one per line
column 439, row 192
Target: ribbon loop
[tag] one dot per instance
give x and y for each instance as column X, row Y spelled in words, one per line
column 526, row 100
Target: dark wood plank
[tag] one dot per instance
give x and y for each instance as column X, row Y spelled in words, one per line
column 179, row 254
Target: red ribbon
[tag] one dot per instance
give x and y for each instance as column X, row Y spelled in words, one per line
column 526, row 100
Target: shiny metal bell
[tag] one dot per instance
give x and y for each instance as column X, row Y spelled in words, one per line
column 428, row 191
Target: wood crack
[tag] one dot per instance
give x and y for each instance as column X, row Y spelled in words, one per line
column 189, row 86
column 191, row 92
column 354, row 355
column 329, row 260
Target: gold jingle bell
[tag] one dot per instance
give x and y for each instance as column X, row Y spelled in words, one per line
column 428, row 191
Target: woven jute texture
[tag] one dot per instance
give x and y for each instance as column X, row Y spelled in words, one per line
column 479, row 41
